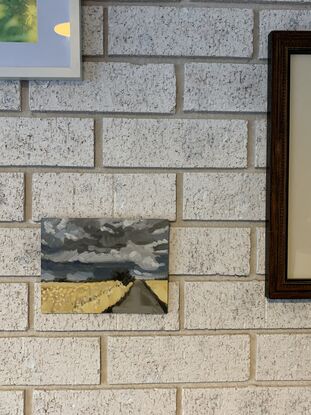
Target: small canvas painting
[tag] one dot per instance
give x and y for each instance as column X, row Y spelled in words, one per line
column 40, row 39
column 18, row 21
column 104, row 266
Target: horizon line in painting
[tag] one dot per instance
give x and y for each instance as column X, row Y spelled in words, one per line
column 104, row 266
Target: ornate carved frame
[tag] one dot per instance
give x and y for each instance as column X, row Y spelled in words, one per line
column 281, row 46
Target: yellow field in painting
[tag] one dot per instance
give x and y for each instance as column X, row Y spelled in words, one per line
column 160, row 288
column 93, row 297
column 90, row 297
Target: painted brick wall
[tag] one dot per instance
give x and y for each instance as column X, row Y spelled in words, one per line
column 169, row 122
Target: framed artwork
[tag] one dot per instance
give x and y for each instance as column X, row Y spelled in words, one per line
column 289, row 224
column 94, row 266
column 40, row 39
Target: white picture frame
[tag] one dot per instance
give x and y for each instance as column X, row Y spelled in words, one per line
column 72, row 71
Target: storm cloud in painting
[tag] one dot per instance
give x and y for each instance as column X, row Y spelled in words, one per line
column 100, row 250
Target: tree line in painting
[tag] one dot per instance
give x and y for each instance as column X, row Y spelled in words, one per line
column 18, row 21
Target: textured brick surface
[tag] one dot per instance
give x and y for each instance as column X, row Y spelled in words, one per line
column 72, row 195
column 57, row 361
column 168, row 122
column 260, row 143
column 106, row 322
column 225, row 87
column 146, row 196
column 199, row 251
column 11, row 403
column 92, row 30
column 224, row 196
column 106, row 87
column 19, row 252
column 180, row 31
column 11, row 197
column 93, row 195
column 46, row 142
column 251, row 401
column 198, row 358
column 261, row 247
column 10, row 95
column 288, row 314
column 244, row 305
column 283, row 357
column 281, row 20
column 14, row 307
column 174, row 143
column 112, row 402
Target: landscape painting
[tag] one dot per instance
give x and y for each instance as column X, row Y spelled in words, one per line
column 40, row 39
column 104, row 266
column 18, row 21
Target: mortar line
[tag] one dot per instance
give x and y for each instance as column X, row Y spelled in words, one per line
column 98, row 144
column 24, row 85
column 103, row 360
column 233, row 224
column 253, row 251
column 179, row 409
column 133, row 170
column 253, row 357
column 27, row 197
column 31, row 306
column 193, row 115
column 256, row 35
column 235, row 4
column 164, row 386
column 181, row 304
column 205, row 332
column 28, row 401
column 106, row 32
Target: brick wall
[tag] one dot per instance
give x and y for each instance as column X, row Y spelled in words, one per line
column 169, row 122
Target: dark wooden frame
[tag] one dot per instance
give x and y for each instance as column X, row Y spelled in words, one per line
column 281, row 46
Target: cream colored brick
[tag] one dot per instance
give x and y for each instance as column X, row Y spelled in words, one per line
column 11, row 403
column 288, row 314
column 283, row 357
column 224, row 196
column 260, row 143
column 261, row 250
column 250, row 401
column 109, row 87
column 72, row 195
column 11, row 197
column 183, row 31
column 178, row 359
column 112, row 402
column 14, row 307
column 46, row 142
column 245, row 307
column 199, row 251
column 145, row 196
column 106, row 322
column 20, row 252
column 174, row 143
column 54, row 361
column 280, row 20
column 92, row 30
column 224, row 305
column 225, row 87
column 10, row 96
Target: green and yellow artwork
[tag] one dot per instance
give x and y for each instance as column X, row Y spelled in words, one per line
column 18, row 21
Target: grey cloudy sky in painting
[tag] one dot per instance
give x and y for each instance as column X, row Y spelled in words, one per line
column 96, row 249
